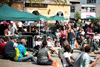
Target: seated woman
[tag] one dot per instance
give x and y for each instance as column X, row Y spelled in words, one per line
column 67, row 56
column 43, row 57
column 38, row 43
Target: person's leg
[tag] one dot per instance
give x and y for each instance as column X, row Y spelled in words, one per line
column 72, row 44
column 61, row 42
column 95, row 45
column 30, row 57
column 46, row 63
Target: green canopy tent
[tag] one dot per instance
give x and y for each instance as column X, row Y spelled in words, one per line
column 90, row 17
column 55, row 17
column 9, row 13
column 42, row 17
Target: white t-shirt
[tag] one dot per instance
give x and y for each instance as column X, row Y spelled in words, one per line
column 66, row 55
column 19, row 24
column 57, row 33
column 38, row 43
column 49, row 43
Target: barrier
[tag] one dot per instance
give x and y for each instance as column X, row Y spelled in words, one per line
column 29, row 41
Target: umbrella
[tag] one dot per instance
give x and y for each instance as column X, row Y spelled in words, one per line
column 55, row 17
column 91, row 17
column 42, row 17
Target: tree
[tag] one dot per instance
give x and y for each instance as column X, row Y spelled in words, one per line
column 77, row 16
column 9, row 2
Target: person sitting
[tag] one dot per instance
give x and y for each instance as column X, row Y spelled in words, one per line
column 2, row 45
column 21, row 54
column 85, row 61
column 58, row 35
column 9, row 49
column 43, row 57
column 38, row 43
column 67, row 56
column 61, row 51
column 96, row 39
column 50, row 44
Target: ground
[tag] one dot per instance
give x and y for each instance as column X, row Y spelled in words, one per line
column 9, row 63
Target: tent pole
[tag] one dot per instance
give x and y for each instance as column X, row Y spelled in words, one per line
column 23, row 5
column 39, row 27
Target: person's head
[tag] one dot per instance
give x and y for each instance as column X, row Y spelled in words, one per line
column 14, row 38
column 96, row 33
column 57, row 30
column 49, row 38
column 65, row 43
column 87, row 49
column 44, row 44
column 67, row 48
column 23, row 42
column 38, row 38
column 83, row 48
column 9, row 26
column 6, row 39
column 91, row 25
column 63, row 28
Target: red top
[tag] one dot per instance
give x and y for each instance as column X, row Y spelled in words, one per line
column 1, row 47
column 90, row 31
column 63, row 34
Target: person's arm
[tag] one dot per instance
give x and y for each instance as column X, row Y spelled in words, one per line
column 73, row 33
column 5, row 33
column 49, row 56
column 72, row 58
column 69, row 62
column 92, row 64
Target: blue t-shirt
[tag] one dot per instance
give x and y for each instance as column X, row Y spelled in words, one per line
column 20, row 51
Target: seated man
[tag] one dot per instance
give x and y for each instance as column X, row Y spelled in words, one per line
column 96, row 40
column 9, row 49
column 21, row 52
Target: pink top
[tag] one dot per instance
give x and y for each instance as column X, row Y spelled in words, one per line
column 63, row 34
column 90, row 31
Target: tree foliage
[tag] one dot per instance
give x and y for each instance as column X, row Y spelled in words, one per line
column 77, row 15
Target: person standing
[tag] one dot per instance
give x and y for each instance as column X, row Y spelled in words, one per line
column 71, row 37
column 90, row 33
column 63, row 36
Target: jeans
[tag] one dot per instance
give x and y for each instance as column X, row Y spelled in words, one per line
column 71, row 42
column 30, row 57
column 94, row 46
column 45, row 63
column 61, row 42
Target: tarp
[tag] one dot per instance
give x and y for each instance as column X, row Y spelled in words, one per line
column 9, row 13
column 55, row 17
column 91, row 17
column 42, row 17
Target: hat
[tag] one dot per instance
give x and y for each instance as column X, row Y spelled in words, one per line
column 48, row 37
column 14, row 37
column 38, row 37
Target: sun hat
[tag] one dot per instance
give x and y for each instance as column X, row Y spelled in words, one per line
column 38, row 37
column 48, row 37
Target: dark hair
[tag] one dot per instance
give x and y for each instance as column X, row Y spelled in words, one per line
column 6, row 39
column 44, row 43
column 87, row 48
column 67, row 48
column 63, row 28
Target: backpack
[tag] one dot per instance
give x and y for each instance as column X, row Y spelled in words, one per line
column 77, row 60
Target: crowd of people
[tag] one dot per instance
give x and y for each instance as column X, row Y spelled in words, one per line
column 61, row 42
